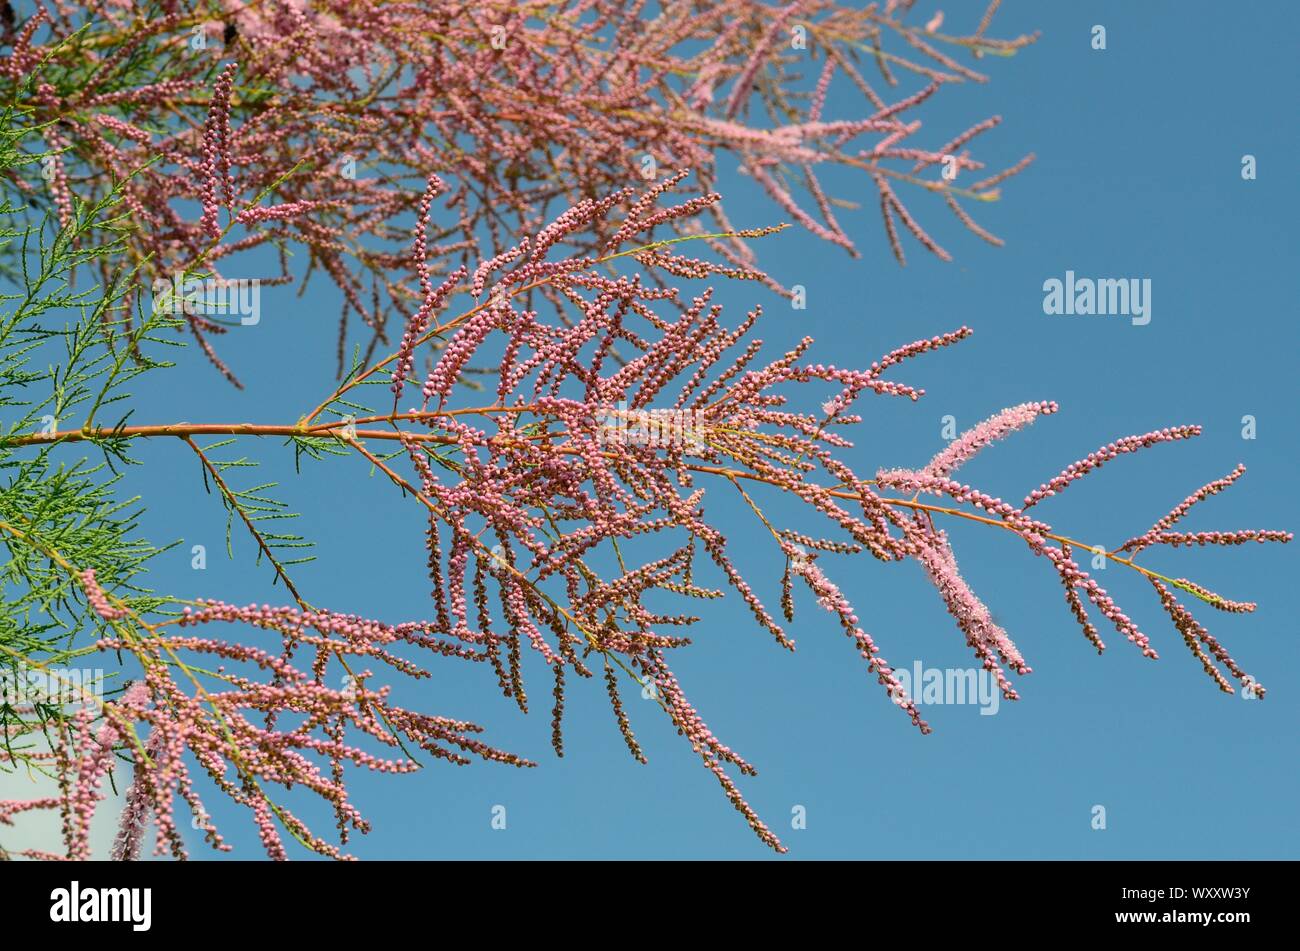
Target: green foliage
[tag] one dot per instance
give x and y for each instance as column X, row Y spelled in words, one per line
column 67, row 347
column 77, row 326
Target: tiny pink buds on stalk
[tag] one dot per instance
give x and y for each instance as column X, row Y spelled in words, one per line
column 431, row 299
column 216, row 152
column 98, row 600
column 1095, row 460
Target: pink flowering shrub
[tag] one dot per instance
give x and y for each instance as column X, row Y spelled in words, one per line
column 561, row 510
column 335, row 112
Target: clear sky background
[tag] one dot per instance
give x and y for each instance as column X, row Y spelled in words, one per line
column 1138, row 175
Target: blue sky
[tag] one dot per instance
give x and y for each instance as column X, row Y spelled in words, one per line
column 1138, row 175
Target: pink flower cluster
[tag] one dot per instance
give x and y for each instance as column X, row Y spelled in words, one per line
column 326, row 111
column 167, row 730
column 517, row 525
column 546, row 537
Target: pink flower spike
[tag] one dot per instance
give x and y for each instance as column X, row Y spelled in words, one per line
column 965, row 446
